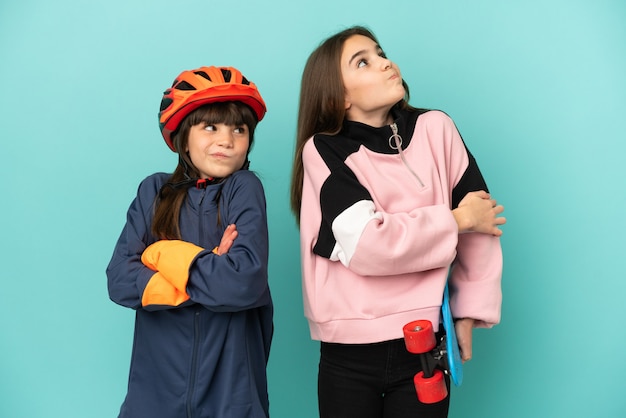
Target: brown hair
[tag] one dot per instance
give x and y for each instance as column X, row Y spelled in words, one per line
column 165, row 224
column 322, row 101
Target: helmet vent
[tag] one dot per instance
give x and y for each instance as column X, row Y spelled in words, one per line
column 183, row 85
column 226, row 74
column 165, row 103
column 203, row 74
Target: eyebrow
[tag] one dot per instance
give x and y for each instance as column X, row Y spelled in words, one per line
column 363, row 51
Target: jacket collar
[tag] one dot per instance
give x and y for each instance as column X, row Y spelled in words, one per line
column 377, row 139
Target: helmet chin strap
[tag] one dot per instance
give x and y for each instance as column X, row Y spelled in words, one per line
column 182, row 162
column 203, row 183
column 199, row 183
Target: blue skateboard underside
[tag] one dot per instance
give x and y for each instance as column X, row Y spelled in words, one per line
column 452, row 346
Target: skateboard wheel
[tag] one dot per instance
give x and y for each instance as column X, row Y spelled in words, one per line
column 419, row 336
column 430, row 389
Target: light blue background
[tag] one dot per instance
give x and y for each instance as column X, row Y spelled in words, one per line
column 537, row 88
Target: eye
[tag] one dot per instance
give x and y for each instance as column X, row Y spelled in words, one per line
column 209, row 127
column 382, row 54
column 361, row 63
column 240, row 129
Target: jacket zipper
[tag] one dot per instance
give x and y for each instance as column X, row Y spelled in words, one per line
column 196, row 326
column 194, row 363
column 395, row 142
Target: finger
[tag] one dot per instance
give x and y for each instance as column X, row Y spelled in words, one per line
column 224, row 247
column 465, row 355
column 465, row 349
column 230, row 233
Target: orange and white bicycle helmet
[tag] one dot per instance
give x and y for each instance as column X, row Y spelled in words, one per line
column 201, row 86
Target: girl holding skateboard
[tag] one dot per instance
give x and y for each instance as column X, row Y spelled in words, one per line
column 388, row 199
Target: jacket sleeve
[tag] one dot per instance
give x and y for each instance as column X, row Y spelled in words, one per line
column 476, row 274
column 160, row 293
column 475, row 279
column 127, row 276
column 237, row 280
column 422, row 239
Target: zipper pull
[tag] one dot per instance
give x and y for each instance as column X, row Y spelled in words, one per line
column 397, row 145
column 395, row 140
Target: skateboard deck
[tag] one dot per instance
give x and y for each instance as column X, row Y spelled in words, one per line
column 436, row 357
column 455, row 364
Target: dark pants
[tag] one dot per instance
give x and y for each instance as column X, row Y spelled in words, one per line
column 372, row 381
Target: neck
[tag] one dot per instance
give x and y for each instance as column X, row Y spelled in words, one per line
column 374, row 119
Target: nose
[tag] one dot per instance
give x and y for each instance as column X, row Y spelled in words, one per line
column 225, row 139
column 386, row 63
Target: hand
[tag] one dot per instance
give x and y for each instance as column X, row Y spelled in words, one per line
column 464, row 329
column 227, row 240
column 478, row 212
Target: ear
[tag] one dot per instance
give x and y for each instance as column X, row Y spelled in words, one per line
column 347, row 102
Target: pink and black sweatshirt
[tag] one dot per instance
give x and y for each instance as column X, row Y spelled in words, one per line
column 378, row 237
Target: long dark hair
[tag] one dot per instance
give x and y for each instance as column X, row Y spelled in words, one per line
column 322, row 101
column 165, row 224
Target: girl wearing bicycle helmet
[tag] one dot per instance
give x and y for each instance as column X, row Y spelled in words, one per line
column 192, row 259
column 382, row 193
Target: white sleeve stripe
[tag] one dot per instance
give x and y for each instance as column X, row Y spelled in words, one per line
column 348, row 228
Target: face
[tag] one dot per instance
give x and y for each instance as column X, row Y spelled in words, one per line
column 218, row 150
column 373, row 84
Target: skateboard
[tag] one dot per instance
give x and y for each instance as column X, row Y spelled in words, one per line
column 437, row 357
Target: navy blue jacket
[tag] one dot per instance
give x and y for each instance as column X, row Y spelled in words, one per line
column 207, row 357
